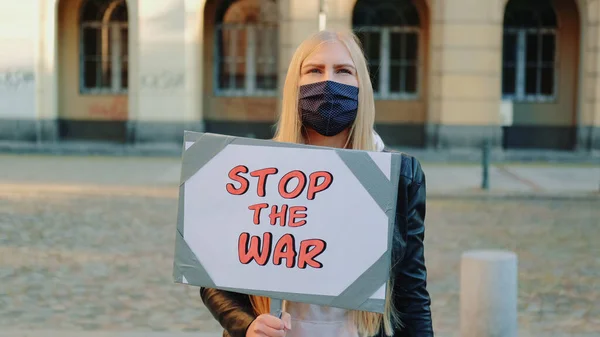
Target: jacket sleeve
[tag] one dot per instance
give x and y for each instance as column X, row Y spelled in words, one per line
column 232, row 310
column 411, row 297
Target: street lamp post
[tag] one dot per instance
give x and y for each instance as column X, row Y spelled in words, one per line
column 322, row 15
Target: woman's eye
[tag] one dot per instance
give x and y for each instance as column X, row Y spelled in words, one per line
column 314, row 70
column 347, row 71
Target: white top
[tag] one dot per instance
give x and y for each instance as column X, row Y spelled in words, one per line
column 379, row 145
column 310, row 320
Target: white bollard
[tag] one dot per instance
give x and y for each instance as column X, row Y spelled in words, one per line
column 488, row 294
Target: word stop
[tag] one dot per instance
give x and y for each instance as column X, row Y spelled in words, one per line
column 316, row 182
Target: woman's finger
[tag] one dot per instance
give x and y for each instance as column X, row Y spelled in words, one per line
column 272, row 321
column 268, row 331
column 287, row 320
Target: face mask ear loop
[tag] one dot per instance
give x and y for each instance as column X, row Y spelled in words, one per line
column 306, row 137
column 349, row 136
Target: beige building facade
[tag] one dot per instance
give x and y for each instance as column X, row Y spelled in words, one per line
column 524, row 74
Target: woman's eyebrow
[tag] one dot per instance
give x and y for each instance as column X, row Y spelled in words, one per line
column 313, row 65
column 344, row 65
column 318, row 65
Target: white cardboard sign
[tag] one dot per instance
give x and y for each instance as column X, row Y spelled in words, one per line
column 290, row 222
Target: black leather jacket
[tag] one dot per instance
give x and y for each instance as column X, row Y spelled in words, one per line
column 410, row 295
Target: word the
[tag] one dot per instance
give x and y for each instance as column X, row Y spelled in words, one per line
column 316, row 182
column 281, row 215
column 253, row 248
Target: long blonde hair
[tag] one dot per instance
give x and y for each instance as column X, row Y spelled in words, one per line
column 289, row 130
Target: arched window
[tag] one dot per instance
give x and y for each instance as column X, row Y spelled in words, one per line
column 246, row 46
column 104, row 46
column 389, row 32
column 529, row 51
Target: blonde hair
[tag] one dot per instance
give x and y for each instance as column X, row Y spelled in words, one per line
column 289, row 129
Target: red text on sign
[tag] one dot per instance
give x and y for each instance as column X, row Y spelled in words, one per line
column 290, row 185
column 252, row 248
column 284, row 215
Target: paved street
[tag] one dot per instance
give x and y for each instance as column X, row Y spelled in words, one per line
column 87, row 244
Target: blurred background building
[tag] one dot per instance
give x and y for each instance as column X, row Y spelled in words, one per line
column 447, row 73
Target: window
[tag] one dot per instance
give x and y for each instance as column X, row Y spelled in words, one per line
column 246, row 49
column 389, row 32
column 104, row 47
column 529, row 53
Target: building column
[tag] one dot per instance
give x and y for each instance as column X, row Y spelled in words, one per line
column 162, row 112
column 466, row 74
column 588, row 135
column 339, row 14
column 298, row 20
column 194, row 51
column 435, row 69
column 46, row 70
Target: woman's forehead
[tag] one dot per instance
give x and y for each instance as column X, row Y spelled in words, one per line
column 329, row 52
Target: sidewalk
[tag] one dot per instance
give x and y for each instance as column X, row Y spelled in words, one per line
column 174, row 150
column 514, row 180
column 443, row 180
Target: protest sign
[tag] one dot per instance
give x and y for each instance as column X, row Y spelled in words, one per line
column 288, row 221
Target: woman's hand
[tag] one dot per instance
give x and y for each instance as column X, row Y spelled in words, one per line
column 267, row 325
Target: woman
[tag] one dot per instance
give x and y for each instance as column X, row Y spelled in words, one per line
column 328, row 101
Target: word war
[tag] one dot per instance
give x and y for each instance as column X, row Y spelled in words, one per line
column 250, row 248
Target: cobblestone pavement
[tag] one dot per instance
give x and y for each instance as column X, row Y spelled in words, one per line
column 99, row 257
column 559, row 260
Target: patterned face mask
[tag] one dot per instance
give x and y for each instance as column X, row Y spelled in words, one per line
column 328, row 107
